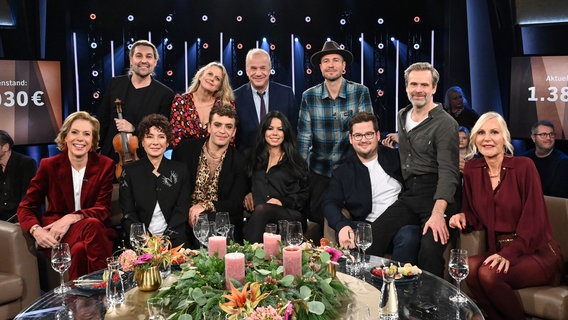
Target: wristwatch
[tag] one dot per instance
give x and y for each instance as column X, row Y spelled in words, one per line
column 34, row 228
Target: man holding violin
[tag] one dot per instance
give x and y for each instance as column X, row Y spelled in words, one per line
column 138, row 94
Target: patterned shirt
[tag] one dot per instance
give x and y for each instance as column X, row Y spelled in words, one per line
column 323, row 124
column 206, row 185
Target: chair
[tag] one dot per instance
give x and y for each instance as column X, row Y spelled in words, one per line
column 545, row 302
column 19, row 276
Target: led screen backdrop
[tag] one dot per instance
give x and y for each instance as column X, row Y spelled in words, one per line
column 30, row 100
column 539, row 91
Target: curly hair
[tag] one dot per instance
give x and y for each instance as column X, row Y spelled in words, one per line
column 156, row 120
column 66, row 127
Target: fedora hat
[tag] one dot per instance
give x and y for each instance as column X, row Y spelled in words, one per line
column 330, row 47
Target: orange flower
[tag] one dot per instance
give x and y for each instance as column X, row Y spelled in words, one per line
column 243, row 302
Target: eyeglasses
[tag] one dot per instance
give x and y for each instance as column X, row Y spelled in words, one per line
column 546, row 134
column 359, row 136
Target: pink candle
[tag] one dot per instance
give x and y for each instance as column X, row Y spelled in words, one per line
column 234, row 267
column 292, row 260
column 271, row 245
column 219, row 244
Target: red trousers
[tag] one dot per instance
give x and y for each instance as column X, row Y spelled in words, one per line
column 90, row 245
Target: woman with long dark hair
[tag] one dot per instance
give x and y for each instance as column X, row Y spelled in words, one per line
column 278, row 177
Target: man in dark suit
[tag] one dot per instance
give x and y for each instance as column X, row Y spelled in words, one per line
column 217, row 176
column 259, row 96
column 139, row 92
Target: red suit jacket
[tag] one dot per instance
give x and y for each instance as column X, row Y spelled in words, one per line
column 55, row 180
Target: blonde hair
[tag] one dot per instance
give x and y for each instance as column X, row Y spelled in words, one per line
column 66, row 127
column 225, row 92
column 509, row 149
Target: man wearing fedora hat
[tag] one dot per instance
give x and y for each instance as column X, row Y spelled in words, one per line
column 323, row 131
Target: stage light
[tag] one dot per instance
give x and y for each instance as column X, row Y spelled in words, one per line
column 296, row 39
column 328, row 39
column 96, row 95
column 240, row 73
column 198, row 39
column 93, row 16
column 129, row 46
column 380, row 20
column 380, row 93
column 272, row 19
column 360, row 39
column 342, row 46
column 381, row 70
column 239, row 46
column 170, row 73
column 342, row 21
column 205, row 45
column 393, row 39
column 264, row 39
column 170, row 46
column 417, row 19
column 94, row 45
column 416, row 46
column 308, row 71
column 95, row 73
column 169, row 18
column 308, row 19
column 239, row 18
column 204, row 17
column 272, row 71
column 308, row 46
column 380, row 45
column 166, row 40
column 130, row 18
column 272, row 47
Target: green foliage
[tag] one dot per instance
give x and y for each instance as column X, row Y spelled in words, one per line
column 201, row 285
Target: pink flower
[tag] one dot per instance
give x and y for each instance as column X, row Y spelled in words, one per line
column 143, row 259
column 127, row 260
column 264, row 313
column 288, row 313
column 335, row 254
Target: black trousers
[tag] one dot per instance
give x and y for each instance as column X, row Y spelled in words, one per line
column 413, row 207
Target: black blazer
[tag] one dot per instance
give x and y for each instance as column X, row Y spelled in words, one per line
column 232, row 180
column 140, row 189
column 280, row 97
column 157, row 100
column 20, row 170
column 350, row 188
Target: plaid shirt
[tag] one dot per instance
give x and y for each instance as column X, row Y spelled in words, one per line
column 323, row 124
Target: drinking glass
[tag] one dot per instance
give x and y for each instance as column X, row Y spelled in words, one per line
column 294, row 234
column 155, row 307
column 60, row 262
column 65, row 313
column 282, row 228
column 358, row 312
column 138, row 236
column 459, row 269
column 114, row 286
column 212, row 230
column 201, row 229
column 270, row 228
column 222, row 223
column 363, row 239
column 231, row 233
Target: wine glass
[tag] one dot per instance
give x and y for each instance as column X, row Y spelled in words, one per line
column 222, row 223
column 270, row 228
column 201, row 229
column 358, row 312
column 459, row 269
column 138, row 236
column 60, row 262
column 363, row 239
column 294, row 234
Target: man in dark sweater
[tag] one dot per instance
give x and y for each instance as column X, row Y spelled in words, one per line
column 551, row 163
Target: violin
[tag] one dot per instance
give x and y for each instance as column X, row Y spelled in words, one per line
column 125, row 144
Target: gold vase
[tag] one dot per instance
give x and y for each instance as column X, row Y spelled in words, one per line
column 148, row 280
column 332, row 269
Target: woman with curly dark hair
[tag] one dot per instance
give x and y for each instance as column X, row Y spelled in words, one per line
column 155, row 190
column 278, row 177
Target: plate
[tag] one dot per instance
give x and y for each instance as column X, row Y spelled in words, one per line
column 402, row 279
column 93, row 282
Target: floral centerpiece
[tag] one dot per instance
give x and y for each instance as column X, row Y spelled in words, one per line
column 266, row 294
column 156, row 252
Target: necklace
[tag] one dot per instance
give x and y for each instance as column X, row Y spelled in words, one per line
column 492, row 176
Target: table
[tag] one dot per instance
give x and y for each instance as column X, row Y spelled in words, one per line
column 414, row 297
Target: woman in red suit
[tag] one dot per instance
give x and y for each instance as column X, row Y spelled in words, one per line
column 78, row 186
column 503, row 195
